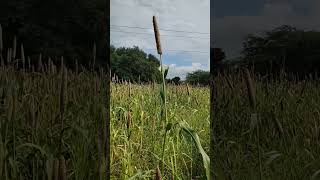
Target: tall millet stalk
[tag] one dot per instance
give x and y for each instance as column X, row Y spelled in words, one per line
column 163, row 89
column 254, row 116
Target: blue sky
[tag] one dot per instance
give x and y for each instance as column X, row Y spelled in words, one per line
column 183, row 52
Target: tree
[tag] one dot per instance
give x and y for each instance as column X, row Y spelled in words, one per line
column 176, row 80
column 283, row 48
column 133, row 64
column 198, row 77
column 57, row 28
column 218, row 56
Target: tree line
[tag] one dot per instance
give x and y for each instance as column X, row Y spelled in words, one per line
column 134, row 65
column 284, row 49
column 78, row 31
column 72, row 29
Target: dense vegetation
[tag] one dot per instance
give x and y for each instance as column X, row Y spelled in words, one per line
column 266, row 121
column 52, row 119
column 56, row 28
column 138, row 131
column 279, row 119
column 133, row 64
column 283, row 49
column 198, row 77
column 52, row 124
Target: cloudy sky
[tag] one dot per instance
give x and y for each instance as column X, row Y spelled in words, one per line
column 232, row 20
column 184, row 29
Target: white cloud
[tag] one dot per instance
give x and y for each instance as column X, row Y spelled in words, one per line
column 179, row 15
column 181, row 71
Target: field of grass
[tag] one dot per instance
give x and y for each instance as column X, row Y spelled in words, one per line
column 289, row 129
column 52, row 124
column 137, row 131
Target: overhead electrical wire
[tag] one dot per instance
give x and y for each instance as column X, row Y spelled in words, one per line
column 170, row 30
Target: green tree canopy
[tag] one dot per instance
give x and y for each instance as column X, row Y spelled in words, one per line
column 218, row 56
column 134, row 64
column 57, row 28
column 284, row 47
column 198, row 77
column 176, row 80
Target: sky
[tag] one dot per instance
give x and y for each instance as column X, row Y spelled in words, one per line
column 183, row 52
column 232, row 20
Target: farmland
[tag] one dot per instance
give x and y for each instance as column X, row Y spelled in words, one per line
column 52, row 124
column 31, row 127
column 287, row 122
column 137, row 131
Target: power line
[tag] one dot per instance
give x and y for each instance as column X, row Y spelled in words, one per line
column 174, row 50
column 119, row 30
column 198, row 37
column 191, row 51
column 187, row 51
column 152, row 36
column 136, row 27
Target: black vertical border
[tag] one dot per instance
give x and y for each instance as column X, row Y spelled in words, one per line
column 212, row 94
column 212, row 109
column 108, row 68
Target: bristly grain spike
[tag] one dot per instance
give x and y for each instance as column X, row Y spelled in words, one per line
column 9, row 55
column 94, row 53
column 29, row 63
column 62, row 168
column 158, row 173
column 14, row 49
column 157, row 35
column 23, row 58
column 250, row 89
column 55, row 174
